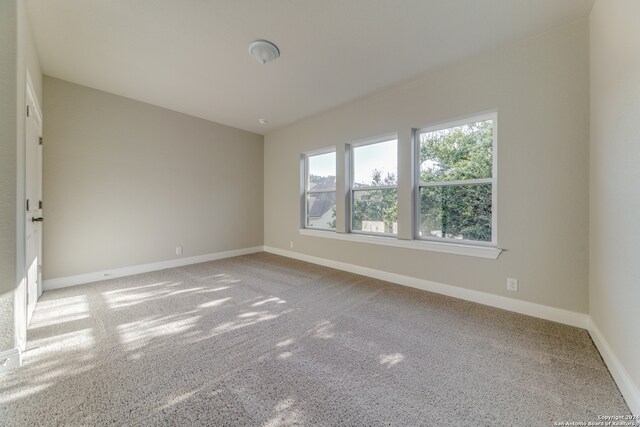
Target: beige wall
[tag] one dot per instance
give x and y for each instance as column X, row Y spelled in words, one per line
column 8, row 138
column 614, row 290
column 540, row 89
column 126, row 182
column 17, row 55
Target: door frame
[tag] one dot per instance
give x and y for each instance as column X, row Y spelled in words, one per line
column 22, row 310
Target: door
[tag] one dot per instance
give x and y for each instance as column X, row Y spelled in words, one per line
column 33, row 208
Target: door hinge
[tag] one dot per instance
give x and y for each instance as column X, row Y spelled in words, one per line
column 27, row 111
column 40, row 141
column 40, row 204
column 27, row 205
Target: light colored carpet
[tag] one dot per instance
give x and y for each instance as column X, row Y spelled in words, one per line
column 265, row 340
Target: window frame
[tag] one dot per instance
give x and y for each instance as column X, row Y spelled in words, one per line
column 418, row 185
column 304, row 181
column 349, row 150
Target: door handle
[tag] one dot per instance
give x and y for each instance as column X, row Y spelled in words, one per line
column 34, row 219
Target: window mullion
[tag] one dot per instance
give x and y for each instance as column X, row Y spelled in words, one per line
column 381, row 187
column 457, row 182
column 321, row 191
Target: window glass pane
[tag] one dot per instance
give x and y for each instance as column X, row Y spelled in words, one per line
column 456, row 212
column 321, row 210
column 457, row 153
column 375, row 164
column 375, row 211
column 322, row 172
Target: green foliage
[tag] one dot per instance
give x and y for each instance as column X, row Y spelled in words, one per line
column 377, row 205
column 463, row 152
column 458, row 210
column 332, row 224
column 459, row 153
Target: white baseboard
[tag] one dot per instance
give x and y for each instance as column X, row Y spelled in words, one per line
column 63, row 282
column 559, row 315
column 10, row 359
column 628, row 388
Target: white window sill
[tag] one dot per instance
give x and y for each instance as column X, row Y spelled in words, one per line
column 423, row 245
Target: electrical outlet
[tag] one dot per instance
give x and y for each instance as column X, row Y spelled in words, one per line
column 178, row 250
column 291, row 244
column 512, row 284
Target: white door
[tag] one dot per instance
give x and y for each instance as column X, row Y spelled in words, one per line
column 33, row 208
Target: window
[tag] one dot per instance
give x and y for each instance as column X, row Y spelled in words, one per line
column 457, row 182
column 447, row 201
column 374, row 193
column 320, row 190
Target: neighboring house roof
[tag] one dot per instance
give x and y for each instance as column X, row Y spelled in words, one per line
column 320, row 204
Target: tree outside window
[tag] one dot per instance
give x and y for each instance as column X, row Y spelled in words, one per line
column 456, row 182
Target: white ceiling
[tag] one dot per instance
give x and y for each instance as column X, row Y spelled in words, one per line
column 191, row 55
